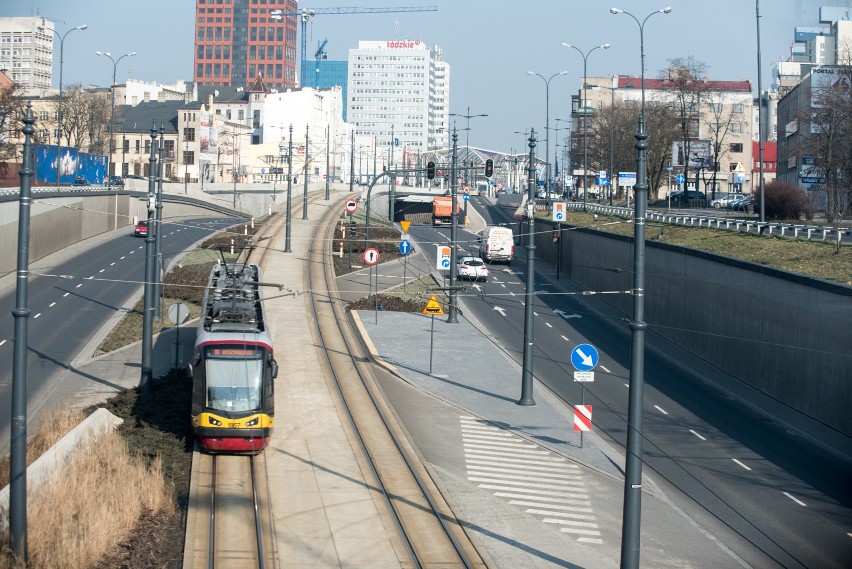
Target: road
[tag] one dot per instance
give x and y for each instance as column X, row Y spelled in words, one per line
column 72, row 299
column 772, row 496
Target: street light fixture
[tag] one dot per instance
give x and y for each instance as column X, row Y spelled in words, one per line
column 633, row 463
column 566, row 150
column 112, row 106
column 585, row 57
column 59, row 108
column 468, row 116
column 547, row 132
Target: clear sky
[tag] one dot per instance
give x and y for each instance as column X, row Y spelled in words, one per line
column 490, row 45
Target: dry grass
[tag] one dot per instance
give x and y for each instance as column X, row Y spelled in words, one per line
column 812, row 258
column 94, row 506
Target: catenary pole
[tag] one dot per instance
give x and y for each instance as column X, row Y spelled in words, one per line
column 150, row 290
column 529, row 296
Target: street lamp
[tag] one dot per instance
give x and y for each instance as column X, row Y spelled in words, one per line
column 468, row 116
column 59, row 108
column 633, row 464
column 566, row 149
column 585, row 116
column 547, row 133
column 112, row 107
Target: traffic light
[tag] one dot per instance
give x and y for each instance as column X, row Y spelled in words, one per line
column 430, row 170
column 489, row 168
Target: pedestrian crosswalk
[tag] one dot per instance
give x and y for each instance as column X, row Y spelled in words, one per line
column 530, row 477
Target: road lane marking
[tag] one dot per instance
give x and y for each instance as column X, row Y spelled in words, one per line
column 66, row 294
column 79, row 285
column 122, row 257
column 102, row 270
column 3, row 342
column 550, row 506
column 627, row 385
column 548, row 325
column 510, row 292
column 37, row 315
column 799, row 502
column 660, row 409
column 544, row 499
column 743, row 465
column 605, row 370
column 564, row 338
column 535, row 313
column 51, row 305
column 697, row 435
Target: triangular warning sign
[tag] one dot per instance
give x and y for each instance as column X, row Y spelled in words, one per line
column 405, row 225
column 433, row 307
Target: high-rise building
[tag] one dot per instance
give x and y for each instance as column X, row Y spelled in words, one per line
column 325, row 74
column 26, row 52
column 398, row 92
column 237, row 41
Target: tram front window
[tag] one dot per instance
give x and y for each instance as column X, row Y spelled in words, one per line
column 234, row 385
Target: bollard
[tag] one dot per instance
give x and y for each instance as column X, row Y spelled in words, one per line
column 232, row 246
column 341, row 249
column 245, row 229
column 252, row 223
column 270, row 210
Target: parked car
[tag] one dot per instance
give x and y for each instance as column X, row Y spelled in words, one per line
column 744, row 204
column 116, row 181
column 81, row 181
column 723, row 201
column 141, row 228
column 690, row 196
column 472, row 268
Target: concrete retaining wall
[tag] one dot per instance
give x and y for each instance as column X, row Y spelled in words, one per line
column 784, row 334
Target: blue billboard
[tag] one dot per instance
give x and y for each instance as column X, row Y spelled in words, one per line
column 72, row 164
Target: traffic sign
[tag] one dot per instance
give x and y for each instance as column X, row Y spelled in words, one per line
column 443, row 257
column 467, row 189
column 405, row 225
column 559, row 211
column 433, row 307
column 371, row 255
column 584, row 376
column 351, row 205
column 584, row 357
column 324, row 176
column 679, row 179
column 582, row 417
column 405, row 247
column 466, row 197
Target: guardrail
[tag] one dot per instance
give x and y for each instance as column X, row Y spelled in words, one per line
column 770, row 229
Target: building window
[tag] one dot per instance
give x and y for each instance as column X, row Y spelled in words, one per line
column 737, row 108
column 189, row 134
column 241, row 114
column 189, row 157
column 736, row 127
column 736, row 147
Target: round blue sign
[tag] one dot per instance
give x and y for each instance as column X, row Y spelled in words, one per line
column 584, row 357
column 405, row 247
column 680, row 179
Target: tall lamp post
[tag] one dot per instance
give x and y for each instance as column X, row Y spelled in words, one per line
column 59, row 108
column 566, row 150
column 585, row 56
column 468, row 116
column 112, row 107
column 547, row 132
column 633, row 464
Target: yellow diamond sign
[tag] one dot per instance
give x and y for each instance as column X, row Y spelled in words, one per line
column 433, row 307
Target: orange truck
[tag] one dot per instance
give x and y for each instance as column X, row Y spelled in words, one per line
column 442, row 210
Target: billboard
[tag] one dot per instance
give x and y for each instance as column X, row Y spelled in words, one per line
column 700, row 156
column 71, row 165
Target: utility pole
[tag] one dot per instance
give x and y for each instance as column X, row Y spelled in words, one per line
column 307, row 156
column 158, row 286
column 452, row 318
column 352, row 163
column 150, row 289
column 529, row 297
column 289, row 191
column 18, row 442
column 327, row 163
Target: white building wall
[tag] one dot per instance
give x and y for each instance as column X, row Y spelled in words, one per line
column 26, row 52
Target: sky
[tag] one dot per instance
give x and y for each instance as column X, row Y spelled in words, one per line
column 489, row 44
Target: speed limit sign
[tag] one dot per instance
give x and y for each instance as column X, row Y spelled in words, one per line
column 351, row 205
column 371, row 255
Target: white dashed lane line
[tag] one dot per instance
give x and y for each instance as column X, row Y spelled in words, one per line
column 37, row 315
column 564, row 338
column 3, row 342
column 51, row 305
column 605, row 370
column 111, row 264
column 121, row 258
column 549, row 325
column 799, row 502
column 741, row 464
column 66, row 294
column 79, row 285
column 102, row 270
column 660, row 409
column 697, row 435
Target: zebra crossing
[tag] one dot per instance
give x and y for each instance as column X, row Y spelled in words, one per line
column 528, row 476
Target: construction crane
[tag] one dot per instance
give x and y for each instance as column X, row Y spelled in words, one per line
column 318, row 55
column 308, row 13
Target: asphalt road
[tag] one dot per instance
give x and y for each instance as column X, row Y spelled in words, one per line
column 771, row 495
column 72, row 299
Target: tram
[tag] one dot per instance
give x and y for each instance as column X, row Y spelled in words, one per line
column 233, row 369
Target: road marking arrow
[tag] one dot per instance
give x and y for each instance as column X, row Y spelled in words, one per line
column 501, row 310
column 565, row 315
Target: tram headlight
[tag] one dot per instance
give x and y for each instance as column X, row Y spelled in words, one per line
column 214, row 421
column 253, row 422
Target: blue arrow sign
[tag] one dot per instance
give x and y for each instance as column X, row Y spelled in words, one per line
column 584, row 357
column 679, row 179
column 559, row 216
column 466, row 197
column 405, row 247
column 445, row 263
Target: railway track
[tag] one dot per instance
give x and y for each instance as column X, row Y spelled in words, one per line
column 427, row 529
column 232, row 527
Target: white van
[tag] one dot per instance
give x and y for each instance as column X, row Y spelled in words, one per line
column 497, row 244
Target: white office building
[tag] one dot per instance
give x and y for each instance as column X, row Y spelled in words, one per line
column 26, row 52
column 399, row 90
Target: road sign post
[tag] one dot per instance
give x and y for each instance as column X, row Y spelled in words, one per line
column 584, row 358
column 432, row 308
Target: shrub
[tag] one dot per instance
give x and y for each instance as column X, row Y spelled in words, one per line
column 783, row 200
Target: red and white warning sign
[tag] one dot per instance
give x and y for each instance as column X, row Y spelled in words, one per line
column 582, row 417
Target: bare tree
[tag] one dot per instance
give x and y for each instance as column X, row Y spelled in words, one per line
column 12, row 109
column 84, row 119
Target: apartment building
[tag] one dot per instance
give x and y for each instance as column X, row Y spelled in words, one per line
column 26, row 52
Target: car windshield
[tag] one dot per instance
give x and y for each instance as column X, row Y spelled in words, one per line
column 472, row 262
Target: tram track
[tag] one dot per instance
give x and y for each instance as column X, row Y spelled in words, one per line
column 428, row 531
